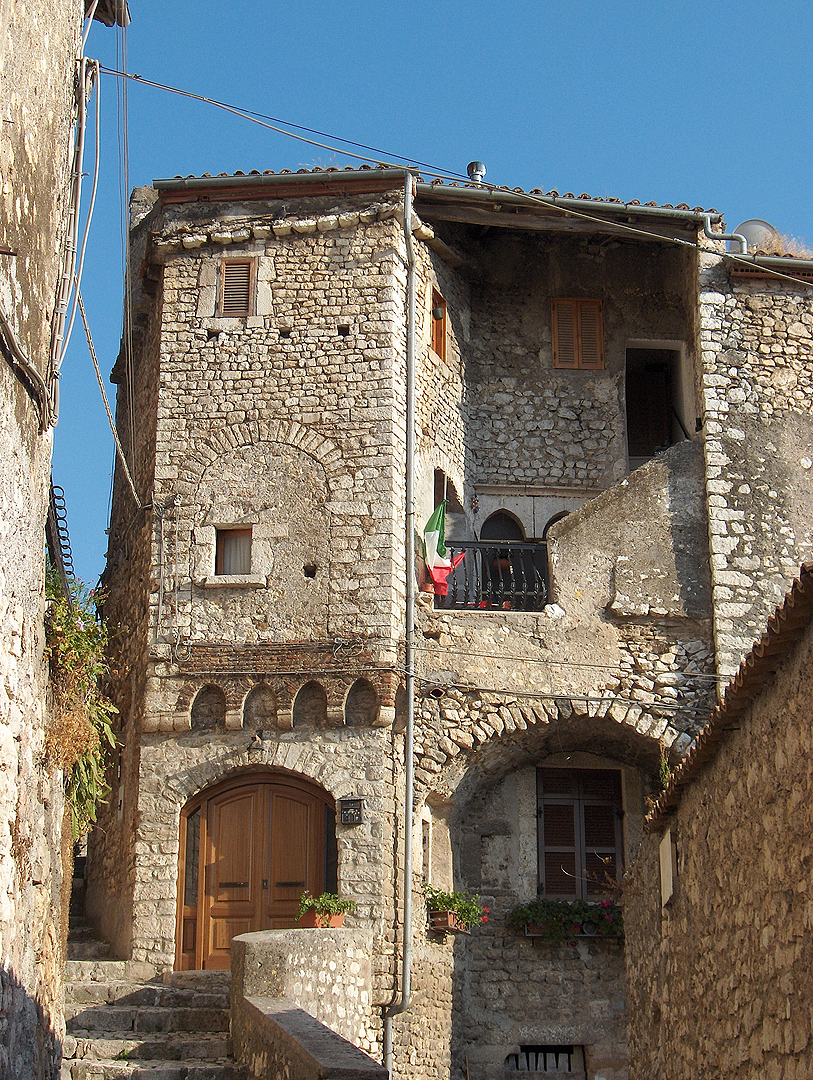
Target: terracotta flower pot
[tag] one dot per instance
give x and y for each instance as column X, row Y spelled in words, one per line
column 446, row 920
column 312, row 919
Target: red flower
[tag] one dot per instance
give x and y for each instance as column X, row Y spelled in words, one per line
column 484, row 918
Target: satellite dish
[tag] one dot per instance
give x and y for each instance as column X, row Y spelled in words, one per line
column 759, row 234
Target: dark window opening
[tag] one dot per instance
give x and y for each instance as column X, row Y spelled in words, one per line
column 233, row 552
column 654, row 419
column 309, row 570
column 579, row 834
column 344, row 330
column 555, row 1060
column 445, row 489
column 284, row 332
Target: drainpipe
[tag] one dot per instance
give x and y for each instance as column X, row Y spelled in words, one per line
column 402, row 1004
column 740, row 239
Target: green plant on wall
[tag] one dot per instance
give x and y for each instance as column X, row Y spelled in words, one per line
column 468, row 909
column 558, row 920
column 81, row 733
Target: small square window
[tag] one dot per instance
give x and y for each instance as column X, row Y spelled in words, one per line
column 233, row 552
column 438, row 314
column 236, row 287
column 577, row 334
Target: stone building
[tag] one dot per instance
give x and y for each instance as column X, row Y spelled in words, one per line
column 39, row 46
column 615, row 411
column 718, row 910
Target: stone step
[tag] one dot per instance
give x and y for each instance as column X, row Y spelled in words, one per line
column 108, row 971
column 157, row 1070
column 81, row 1017
column 155, row 993
column 162, row 1047
column 214, row 981
column 87, row 949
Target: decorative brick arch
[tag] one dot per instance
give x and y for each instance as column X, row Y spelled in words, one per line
column 206, row 448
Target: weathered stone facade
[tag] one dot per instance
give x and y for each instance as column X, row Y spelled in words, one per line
column 719, row 975
column 37, row 60
column 286, row 424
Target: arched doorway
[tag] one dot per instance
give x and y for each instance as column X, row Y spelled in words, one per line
column 249, row 848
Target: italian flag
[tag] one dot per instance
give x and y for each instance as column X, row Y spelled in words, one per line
column 434, row 551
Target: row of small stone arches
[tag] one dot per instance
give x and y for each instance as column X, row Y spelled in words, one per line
column 310, row 706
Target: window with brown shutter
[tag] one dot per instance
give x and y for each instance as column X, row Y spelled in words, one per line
column 580, row 846
column 438, row 313
column 236, row 287
column 577, row 334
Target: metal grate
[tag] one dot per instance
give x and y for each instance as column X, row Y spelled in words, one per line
column 556, row 1060
column 497, row 574
column 236, row 288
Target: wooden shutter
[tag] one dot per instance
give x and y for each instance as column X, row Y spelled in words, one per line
column 235, row 296
column 563, row 334
column 579, row 813
column 577, row 334
column 591, row 336
column 438, row 324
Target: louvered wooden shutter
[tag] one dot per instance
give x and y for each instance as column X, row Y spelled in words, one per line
column 591, row 337
column 577, row 334
column 236, row 288
column 563, row 334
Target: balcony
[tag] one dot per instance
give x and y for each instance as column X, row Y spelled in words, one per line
column 497, row 575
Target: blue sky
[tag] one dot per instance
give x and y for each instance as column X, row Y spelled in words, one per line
column 707, row 104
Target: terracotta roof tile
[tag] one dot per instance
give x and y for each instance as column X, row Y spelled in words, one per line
column 438, row 181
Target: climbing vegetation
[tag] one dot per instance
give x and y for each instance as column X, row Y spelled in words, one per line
column 81, row 733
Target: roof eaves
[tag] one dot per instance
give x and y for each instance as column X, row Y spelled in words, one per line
column 785, row 628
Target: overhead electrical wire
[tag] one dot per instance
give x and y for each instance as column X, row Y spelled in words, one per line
column 111, row 421
column 443, row 174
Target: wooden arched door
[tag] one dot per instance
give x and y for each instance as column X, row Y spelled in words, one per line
column 249, row 848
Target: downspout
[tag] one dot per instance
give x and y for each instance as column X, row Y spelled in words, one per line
column 738, row 237
column 402, row 1004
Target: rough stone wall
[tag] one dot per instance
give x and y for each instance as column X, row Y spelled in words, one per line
column 757, row 361
column 327, row 972
column 127, row 579
column 37, row 48
column 719, row 979
column 528, row 423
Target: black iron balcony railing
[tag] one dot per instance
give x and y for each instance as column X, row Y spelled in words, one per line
column 510, row 575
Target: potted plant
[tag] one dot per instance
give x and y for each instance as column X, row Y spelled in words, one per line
column 328, row 909
column 453, row 911
column 558, row 920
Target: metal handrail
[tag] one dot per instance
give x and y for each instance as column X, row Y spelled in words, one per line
column 508, row 575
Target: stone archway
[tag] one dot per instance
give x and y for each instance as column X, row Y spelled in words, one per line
column 249, row 847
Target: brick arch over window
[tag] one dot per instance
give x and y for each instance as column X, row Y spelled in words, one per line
column 361, row 704
column 310, row 706
column 209, row 709
column 260, row 707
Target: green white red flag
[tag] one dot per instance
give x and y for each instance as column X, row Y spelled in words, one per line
column 439, row 565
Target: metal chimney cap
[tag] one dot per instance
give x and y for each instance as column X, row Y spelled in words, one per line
column 476, row 171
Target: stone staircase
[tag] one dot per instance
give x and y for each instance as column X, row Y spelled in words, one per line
column 123, row 1024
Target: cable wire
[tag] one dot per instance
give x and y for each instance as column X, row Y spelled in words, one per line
column 531, row 199
column 110, row 420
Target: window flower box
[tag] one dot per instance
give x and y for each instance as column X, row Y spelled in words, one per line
column 453, row 912
column 446, row 922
